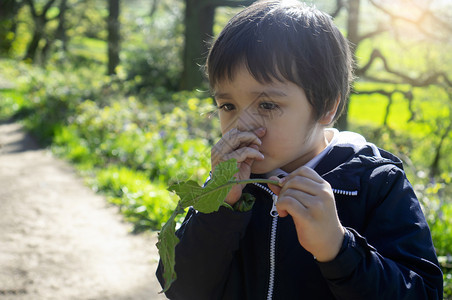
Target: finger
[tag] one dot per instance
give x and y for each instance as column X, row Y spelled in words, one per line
column 234, row 138
column 274, row 188
column 301, row 183
column 218, row 155
column 260, row 132
column 288, row 205
column 306, row 172
column 303, row 198
column 244, row 153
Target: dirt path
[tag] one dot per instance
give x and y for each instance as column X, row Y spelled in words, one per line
column 59, row 240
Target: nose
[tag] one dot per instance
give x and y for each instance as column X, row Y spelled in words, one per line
column 248, row 121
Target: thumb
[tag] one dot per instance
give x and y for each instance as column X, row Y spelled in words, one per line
column 275, row 188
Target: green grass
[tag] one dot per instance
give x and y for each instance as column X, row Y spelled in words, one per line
column 90, row 48
column 428, row 104
column 11, row 103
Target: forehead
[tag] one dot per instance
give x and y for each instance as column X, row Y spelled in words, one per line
column 243, row 84
column 241, row 75
column 243, row 71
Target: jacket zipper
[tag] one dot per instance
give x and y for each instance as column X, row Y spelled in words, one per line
column 274, row 215
column 345, row 193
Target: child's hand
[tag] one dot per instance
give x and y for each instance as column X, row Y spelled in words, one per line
column 244, row 147
column 310, row 201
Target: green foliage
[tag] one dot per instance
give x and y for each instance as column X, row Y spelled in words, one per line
column 84, row 50
column 147, row 143
column 142, row 138
column 143, row 202
column 83, row 19
column 12, row 103
column 413, row 129
column 167, row 249
column 437, row 204
column 160, row 140
column 448, row 285
column 68, row 143
column 206, row 200
column 153, row 48
column 192, row 194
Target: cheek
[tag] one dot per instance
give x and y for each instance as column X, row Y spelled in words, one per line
column 277, row 141
column 283, row 139
column 228, row 121
column 225, row 125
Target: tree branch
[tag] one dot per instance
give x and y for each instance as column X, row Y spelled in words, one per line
column 389, row 94
column 46, row 8
column 434, row 167
column 380, row 29
column 32, row 8
column 433, row 78
column 339, row 6
column 43, row 13
column 229, row 3
column 418, row 23
column 394, row 16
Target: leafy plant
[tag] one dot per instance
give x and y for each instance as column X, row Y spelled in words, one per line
column 206, row 199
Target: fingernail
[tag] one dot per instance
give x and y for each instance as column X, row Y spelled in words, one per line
column 282, row 180
column 260, row 131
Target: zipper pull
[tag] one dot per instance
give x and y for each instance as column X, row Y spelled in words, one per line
column 274, row 212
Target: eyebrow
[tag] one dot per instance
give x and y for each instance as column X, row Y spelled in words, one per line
column 217, row 95
column 268, row 93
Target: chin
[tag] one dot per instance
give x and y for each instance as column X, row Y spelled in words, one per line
column 260, row 167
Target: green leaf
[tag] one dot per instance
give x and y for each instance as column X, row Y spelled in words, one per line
column 167, row 241
column 211, row 197
column 205, row 200
column 187, row 192
column 218, row 187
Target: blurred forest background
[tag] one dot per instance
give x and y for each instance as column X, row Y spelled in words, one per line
column 116, row 87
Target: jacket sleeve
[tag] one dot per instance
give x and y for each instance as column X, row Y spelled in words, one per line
column 393, row 257
column 205, row 252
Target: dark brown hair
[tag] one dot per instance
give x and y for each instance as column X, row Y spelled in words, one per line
column 286, row 41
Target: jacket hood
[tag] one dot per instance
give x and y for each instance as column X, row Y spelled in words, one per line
column 350, row 157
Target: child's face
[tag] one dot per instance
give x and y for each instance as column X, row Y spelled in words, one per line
column 292, row 136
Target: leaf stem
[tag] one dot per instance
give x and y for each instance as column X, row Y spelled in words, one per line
column 234, row 182
column 254, row 180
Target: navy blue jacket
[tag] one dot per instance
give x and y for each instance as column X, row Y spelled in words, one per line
column 387, row 251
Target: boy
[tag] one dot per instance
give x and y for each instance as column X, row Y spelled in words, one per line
column 344, row 222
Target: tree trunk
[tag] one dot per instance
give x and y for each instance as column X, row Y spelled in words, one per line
column 353, row 37
column 40, row 21
column 113, row 36
column 45, row 52
column 199, row 17
column 61, row 30
column 435, row 166
column 198, row 32
column 8, row 11
column 34, row 44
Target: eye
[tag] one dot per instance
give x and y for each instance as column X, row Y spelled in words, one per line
column 227, row 107
column 268, row 106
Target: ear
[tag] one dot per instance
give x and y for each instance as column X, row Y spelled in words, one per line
column 329, row 116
